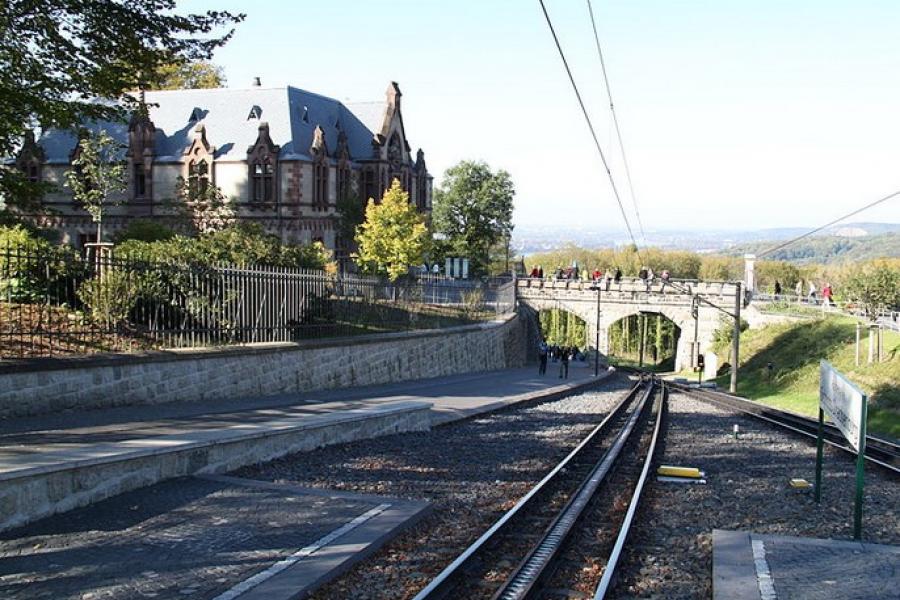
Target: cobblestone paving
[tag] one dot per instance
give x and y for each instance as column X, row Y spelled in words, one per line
column 825, row 570
column 187, row 538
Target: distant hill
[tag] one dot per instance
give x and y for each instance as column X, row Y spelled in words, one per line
column 849, row 247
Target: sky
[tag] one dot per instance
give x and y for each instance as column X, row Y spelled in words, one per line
column 734, row 114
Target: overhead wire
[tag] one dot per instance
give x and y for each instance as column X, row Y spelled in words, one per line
column 615, row 118
column 792, row 241
column 590, row 125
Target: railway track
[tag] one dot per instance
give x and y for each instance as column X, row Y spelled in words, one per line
column 880, row 452
column 520, row 554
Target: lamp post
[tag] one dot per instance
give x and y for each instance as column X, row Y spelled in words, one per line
column 596, row 286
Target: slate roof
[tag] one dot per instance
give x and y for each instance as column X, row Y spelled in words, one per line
column 292, row 115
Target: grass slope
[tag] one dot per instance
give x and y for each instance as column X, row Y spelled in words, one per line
column 795, row 350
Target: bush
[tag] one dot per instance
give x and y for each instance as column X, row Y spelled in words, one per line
column 29, row 264
column 109, row 298
column 145, row 231
column 237, row 245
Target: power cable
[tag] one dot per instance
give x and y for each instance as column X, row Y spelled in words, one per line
column 590, row 125
column 827, row 225
column 615, row 118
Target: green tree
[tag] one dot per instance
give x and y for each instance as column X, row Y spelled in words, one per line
column 473, row 207
column 351, row 214
column 393, row 236
column 876, row 286
column 188, row 75
column 58, row 57
column 204, row 206
column 96, row 176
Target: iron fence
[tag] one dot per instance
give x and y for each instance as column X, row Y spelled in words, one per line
column 53, row 302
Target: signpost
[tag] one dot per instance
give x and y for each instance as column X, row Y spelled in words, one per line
column 845, row 404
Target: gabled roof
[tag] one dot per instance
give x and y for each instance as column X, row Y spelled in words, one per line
column 226, row 115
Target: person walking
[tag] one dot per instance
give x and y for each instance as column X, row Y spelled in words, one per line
column 618, row 276
column 540, row 272
column 777, row 289
column 543, row 349
column 564, row 362
column 828, row 295
column 798, row 289
column 812, row 293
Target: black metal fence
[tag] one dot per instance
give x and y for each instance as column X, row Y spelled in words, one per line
column 55, row 303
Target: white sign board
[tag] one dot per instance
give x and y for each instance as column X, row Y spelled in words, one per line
column 842, row 401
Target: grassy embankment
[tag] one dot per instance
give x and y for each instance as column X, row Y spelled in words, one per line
column 795, row 350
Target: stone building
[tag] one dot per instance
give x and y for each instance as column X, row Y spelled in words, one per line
column 282, row 156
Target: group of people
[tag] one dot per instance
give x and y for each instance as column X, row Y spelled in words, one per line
column 811, row 292
column 556, row 353
column 646, row 275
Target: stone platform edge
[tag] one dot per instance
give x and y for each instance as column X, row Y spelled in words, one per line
column 444, row 417
column 33, row 493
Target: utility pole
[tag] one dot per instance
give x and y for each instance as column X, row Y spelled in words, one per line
column 597, row 340
column 736, row 341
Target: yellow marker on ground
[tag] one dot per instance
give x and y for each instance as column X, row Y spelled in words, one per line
column 670, row 471
column 800, row 484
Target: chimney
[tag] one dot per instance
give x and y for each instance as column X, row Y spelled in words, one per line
column 256, row 82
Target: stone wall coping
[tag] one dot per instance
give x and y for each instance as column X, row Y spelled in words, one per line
column 110, row 359
column 172, row 443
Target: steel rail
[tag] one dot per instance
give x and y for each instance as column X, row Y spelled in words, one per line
column 522, row 583
column 441, row 585
column 613, row 560
column 879, row 452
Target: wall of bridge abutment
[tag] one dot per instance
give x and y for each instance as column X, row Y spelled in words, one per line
column 630, row 297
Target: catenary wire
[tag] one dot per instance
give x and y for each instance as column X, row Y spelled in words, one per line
column 827, row 225
column 615, row 119
column 590, row 125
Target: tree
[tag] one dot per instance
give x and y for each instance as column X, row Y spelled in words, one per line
column 204, row 206
column 59, row 57
column 473, row 207
column 97, row 175
column 876, row 286
column 188, row 75
column 351, row 214
column 393, row 236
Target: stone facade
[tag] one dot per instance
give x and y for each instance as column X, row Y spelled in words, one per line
column 282, row 157
column 257, row 370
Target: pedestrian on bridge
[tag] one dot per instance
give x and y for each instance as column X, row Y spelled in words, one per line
column 798, row 289
column 777, row 289
column 828, row 295
column 618, row 276
column 812, row 293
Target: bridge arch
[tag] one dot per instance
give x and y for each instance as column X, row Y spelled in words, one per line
column 601, row 308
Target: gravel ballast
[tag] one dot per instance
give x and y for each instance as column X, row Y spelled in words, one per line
column 669, row 553
column 471, row 471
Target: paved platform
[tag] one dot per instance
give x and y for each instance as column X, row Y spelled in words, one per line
column 203, row 537
column 750, row 566
column 57, row 462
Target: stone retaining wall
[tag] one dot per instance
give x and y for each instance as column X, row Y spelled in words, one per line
column 51, row 385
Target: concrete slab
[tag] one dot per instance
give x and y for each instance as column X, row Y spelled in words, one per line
column 795, row 568
column 68, row 478
column 207, row 537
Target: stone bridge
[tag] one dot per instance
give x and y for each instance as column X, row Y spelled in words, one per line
column 631, row 297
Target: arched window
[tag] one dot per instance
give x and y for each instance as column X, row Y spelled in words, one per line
column 263, row 181
column 320, row 185
column 198, row 177
column 421, row 191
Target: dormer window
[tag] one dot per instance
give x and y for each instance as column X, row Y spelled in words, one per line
column 263, row 182
column 198, row 177
column 255, row 113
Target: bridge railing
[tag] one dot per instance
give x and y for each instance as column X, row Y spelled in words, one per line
column 634, row 285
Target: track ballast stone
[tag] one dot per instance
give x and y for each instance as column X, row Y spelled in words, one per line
column 669, row 553
column 472, row 471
